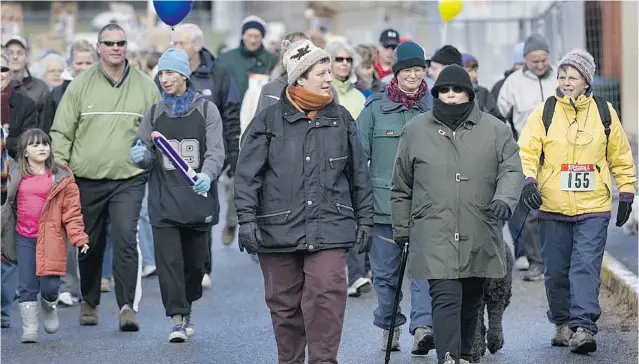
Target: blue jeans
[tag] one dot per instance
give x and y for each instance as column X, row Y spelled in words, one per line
column 573, row 254
column 145, row 234
column 9, row 286
column 107, row 262
column 385, row 260
column 29, row 284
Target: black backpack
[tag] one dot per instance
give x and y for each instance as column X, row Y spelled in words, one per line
column 604, row 115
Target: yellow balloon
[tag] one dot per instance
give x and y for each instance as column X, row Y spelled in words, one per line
column 449, row 9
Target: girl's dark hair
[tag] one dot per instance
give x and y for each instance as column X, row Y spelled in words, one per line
column 33, row 136
column 321, row 61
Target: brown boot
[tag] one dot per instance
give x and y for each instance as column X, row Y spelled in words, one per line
column 228, row 235
column 88, row 315
column 128, row 319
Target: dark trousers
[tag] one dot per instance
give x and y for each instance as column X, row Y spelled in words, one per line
column 306, row 294
column 29, row 284
column 208, row 263
column 117, row 202
column 180, row 255
column 456, row 304
column 573, row 254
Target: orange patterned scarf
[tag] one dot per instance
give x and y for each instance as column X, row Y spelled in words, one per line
column 307, row 102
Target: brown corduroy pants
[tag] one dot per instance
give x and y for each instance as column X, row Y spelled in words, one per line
column 306, row 294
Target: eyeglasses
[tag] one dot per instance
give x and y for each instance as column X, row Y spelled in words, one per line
column 390, row 46
column 109, row 43
column 446, row 89
column 4, row 69
column 418, row 71
column 342, row 59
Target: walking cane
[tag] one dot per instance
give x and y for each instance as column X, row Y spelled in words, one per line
column 398, row 292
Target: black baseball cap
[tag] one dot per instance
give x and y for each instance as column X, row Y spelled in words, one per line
column 389, row 37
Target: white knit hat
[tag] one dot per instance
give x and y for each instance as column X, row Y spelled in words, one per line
column 299, row 57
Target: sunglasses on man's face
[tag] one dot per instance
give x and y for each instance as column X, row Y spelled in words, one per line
column 108, row 43
column 456, row 89
column 342, row 59
column 390, row 46
column 4, row 69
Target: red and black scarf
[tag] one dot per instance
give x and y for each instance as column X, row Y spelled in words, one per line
column 408, row 100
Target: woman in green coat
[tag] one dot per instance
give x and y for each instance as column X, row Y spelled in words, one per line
column 457, row 178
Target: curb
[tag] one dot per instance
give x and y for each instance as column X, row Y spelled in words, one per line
column 621, row 282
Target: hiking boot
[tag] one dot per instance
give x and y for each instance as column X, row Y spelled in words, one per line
column 423, row 341
column 395, row 343
column 228, row 235
column 30, row 322
column 188, row 326
column 583, row 342
column 522, row 263
column 361, row 285
column 88, row 315
column 562, row 336
column 49, row 311
column 128, row 319
column 534, row 273
column 105, row 285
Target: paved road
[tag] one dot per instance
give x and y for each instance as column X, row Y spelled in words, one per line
column 233, row 327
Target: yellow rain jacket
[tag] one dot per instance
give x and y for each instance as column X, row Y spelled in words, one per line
column 576, row 136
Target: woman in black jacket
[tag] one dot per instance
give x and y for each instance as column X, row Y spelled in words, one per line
column 18, row 111
column 301, row 186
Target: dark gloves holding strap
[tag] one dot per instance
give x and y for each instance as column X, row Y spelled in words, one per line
column 531, row 196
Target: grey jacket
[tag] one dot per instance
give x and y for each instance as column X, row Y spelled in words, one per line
column 442, row 184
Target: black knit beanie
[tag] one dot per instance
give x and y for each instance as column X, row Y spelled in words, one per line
column 453, row 76
column 447, row 55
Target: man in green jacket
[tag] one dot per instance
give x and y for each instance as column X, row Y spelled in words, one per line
column 93, row 130
column 250, row 57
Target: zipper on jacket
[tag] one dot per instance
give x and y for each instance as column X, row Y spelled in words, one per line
column 287, row 212
column 339, row 206
column 331, row 160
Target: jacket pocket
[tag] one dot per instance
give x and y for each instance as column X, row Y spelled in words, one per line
column 335, row 163
column 344, row 209
column 273, row 218
column 185, row 207
column 603, row 181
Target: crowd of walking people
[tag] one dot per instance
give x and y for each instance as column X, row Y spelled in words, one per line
column 333, row 158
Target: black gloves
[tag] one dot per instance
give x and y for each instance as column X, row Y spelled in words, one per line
column 531, row 197
column 623, row 213
column 402, row 241
column 499, row 210
column 249, row 237
column 364, row 238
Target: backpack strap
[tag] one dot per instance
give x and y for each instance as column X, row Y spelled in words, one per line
column 606, row 118
column 546, row 117
column 153, row 116
column 549, row 111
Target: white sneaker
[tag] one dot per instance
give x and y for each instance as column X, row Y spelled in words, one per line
column 206, row 281
column 148, row 270
column 67, row 299
column 522, row 263
column 360, row 285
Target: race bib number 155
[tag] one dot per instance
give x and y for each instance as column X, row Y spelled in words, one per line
column 578, row 177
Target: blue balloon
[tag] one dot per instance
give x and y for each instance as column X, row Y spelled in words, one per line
column 172, row 12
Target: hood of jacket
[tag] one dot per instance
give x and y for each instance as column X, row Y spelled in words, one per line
column 207, row 61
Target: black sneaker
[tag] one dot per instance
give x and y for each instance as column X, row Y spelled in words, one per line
column 534, row 273
column 178, row 334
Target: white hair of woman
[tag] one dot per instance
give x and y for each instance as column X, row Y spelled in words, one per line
column 43, row 69
column 335, row 47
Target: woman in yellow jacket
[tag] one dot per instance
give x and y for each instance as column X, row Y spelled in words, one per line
column 571, row 188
